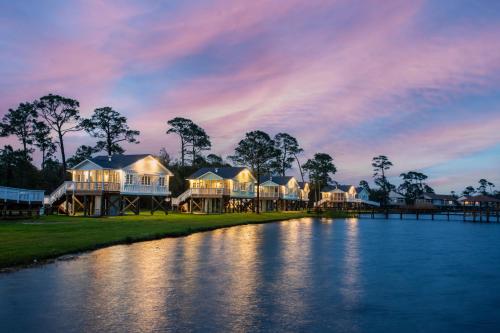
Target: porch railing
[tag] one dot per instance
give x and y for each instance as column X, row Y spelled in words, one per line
column 209, row 191
column 145, row 189
column 94, row 187
column 21, row 195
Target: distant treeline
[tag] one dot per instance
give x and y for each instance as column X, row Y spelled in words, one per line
column 43, row 125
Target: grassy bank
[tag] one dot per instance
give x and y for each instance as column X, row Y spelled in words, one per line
column 24, row 242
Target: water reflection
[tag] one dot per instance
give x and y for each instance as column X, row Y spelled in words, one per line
column 302, row 276
column 350, row 280
column 294, row 275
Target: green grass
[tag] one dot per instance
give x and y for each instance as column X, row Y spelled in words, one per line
column 24, row 242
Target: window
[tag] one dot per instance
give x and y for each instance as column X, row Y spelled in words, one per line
column 161, row 181
column 145, row 180
column 129, row 179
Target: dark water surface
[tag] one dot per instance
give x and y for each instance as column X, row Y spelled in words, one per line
column 303, row 275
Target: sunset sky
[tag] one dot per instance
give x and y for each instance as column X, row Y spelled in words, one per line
column 418, row 81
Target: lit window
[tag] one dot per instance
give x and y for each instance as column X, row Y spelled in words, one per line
column 145, row 180
column 129, row 179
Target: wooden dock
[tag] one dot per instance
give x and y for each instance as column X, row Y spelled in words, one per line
column 467, row 214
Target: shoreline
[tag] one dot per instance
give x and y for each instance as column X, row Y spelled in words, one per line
column 192, row 228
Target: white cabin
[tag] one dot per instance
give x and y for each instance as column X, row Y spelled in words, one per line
column 97, row 184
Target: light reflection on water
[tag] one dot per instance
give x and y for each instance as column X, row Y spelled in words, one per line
column 301, row 275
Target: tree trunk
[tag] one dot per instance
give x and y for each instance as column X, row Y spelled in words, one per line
column 43, row 159
column 182, row 151
column 25, row 147
column 193, row 153
column 300, row 168
column 63, row 155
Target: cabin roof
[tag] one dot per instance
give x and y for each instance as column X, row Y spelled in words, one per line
column 223, row 172
column 302, row 185
column 280, row 180
column 434, row 196
column 329, row 188
column 117, row 161
column 480, row 198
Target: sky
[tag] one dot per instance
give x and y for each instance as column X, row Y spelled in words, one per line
column 418, row 81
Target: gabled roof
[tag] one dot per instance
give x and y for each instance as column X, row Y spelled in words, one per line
column 117, row 161
column 479, row 198
column 280, row 180
column 394, row 194
column 359, row 189
column 343, row 188
column 223, row 172
column 434, row 196
column 302, row 185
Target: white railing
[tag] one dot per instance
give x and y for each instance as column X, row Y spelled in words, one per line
column 21, row 195
column 145, row 189
column 269, row 195
column 182, row 197
column 94, row 186
column 209, row 192
column 243, row 194
column 320, row 202
column 291, row 196
column 59, row 192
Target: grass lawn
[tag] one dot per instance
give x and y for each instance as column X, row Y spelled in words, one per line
column 23, row 242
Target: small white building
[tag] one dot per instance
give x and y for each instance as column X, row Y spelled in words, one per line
column 396, row 199
column 345, row 196
column 279, row 193
column 111, row 185
column 217, row 190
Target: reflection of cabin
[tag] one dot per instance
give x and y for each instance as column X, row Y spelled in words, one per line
column 216, row 190
column 279, row 193
column 344, row 196
column 112, row 185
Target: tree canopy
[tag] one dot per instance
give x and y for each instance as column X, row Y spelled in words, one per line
column 43, row 141
column 61, row 114
column 414, row 185
column 193, row 138
column 255, row 151
column 287, row 149
column 320, row 168
column 20, row 122
column 380, row 165
column 110, row 128
column 82, row 153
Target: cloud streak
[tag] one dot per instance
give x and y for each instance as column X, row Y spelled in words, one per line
column 354, row 79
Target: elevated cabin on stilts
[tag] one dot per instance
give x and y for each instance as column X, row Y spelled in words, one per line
column 217, row 190
column 278, row 193
column 112, row 185
column 344, row 197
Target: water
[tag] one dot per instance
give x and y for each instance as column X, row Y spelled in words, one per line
column 305, row 275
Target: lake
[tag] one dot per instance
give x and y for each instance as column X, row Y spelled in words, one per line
column 307, row 275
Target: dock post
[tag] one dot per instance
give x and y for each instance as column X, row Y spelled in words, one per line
column 401, row 215
column 417, row 214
